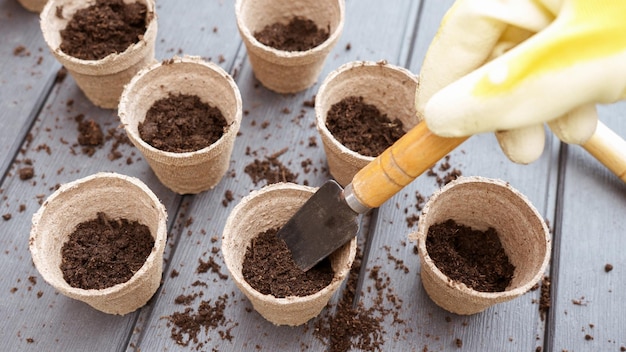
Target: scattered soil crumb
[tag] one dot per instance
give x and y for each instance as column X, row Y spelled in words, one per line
column 211, row 265
column 271, row 170
column 450, row 174
column 90, row 134
column 544, row 299
column 228, row 197
column 458, row 343
column 354, row 327
column 188, row 324
column 309, row 103
column 61, row 74
column 26, row 173
column 20, row 50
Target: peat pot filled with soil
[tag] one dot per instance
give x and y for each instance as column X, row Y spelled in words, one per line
column 288, row 40
column 480, row 242
column 100, row 240
column 361, row 109
column 247, row 244
column 102, row 43
column 183, row 114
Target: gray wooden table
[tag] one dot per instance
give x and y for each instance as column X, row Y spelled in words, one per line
column 584, row 204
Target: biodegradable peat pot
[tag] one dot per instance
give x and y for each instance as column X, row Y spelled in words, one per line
column 390, row 88
column 102, row 80
column 189, row 172
column 33, row 5
column 117, row 196
column 288, row 71
column 268, row 208
column 481, row 203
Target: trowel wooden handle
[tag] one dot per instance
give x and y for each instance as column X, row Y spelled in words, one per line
column 417, row 151
column 609, row 148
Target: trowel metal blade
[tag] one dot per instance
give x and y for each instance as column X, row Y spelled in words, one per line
column 323, row 224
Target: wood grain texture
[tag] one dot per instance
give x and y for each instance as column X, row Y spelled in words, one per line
column 26, row 77
column 587, row 300
column 583, row 202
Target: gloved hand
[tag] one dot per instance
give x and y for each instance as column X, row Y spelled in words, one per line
column 510, row 66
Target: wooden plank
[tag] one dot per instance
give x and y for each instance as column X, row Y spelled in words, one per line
column 415, row 322
column 27, row 75
column 37, row 312
column 588, row 311
column 265, row 130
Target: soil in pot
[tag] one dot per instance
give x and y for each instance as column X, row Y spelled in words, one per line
column 104, row 252
column 300, row 34
column 182, row 123
column 475, row 258
column 104, row 28
column 269, row 268
column 361, row 127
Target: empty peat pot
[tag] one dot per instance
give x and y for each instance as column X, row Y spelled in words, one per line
column 268, row 208
column 119, row 197
column 184, row 172
column 33, row 5
column 482, row 203
column 101, row 80
column 288, row 71
column 391, row 89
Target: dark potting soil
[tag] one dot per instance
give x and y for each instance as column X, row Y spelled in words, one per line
column 475, row 258
column 104, row 28
column 104, row 252
column 300, row 34
column 361, row 127
column 545, row 301
column 351, row 327
column 90, row 134
column 182, row 123
column 185, row 326
column 271, row 170
column 270, row 269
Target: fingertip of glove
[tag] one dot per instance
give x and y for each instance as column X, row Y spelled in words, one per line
column 522, row 146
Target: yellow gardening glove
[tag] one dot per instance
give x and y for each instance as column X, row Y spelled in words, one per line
column 511, row 65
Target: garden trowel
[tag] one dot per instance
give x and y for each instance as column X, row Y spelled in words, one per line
column 329, row 218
